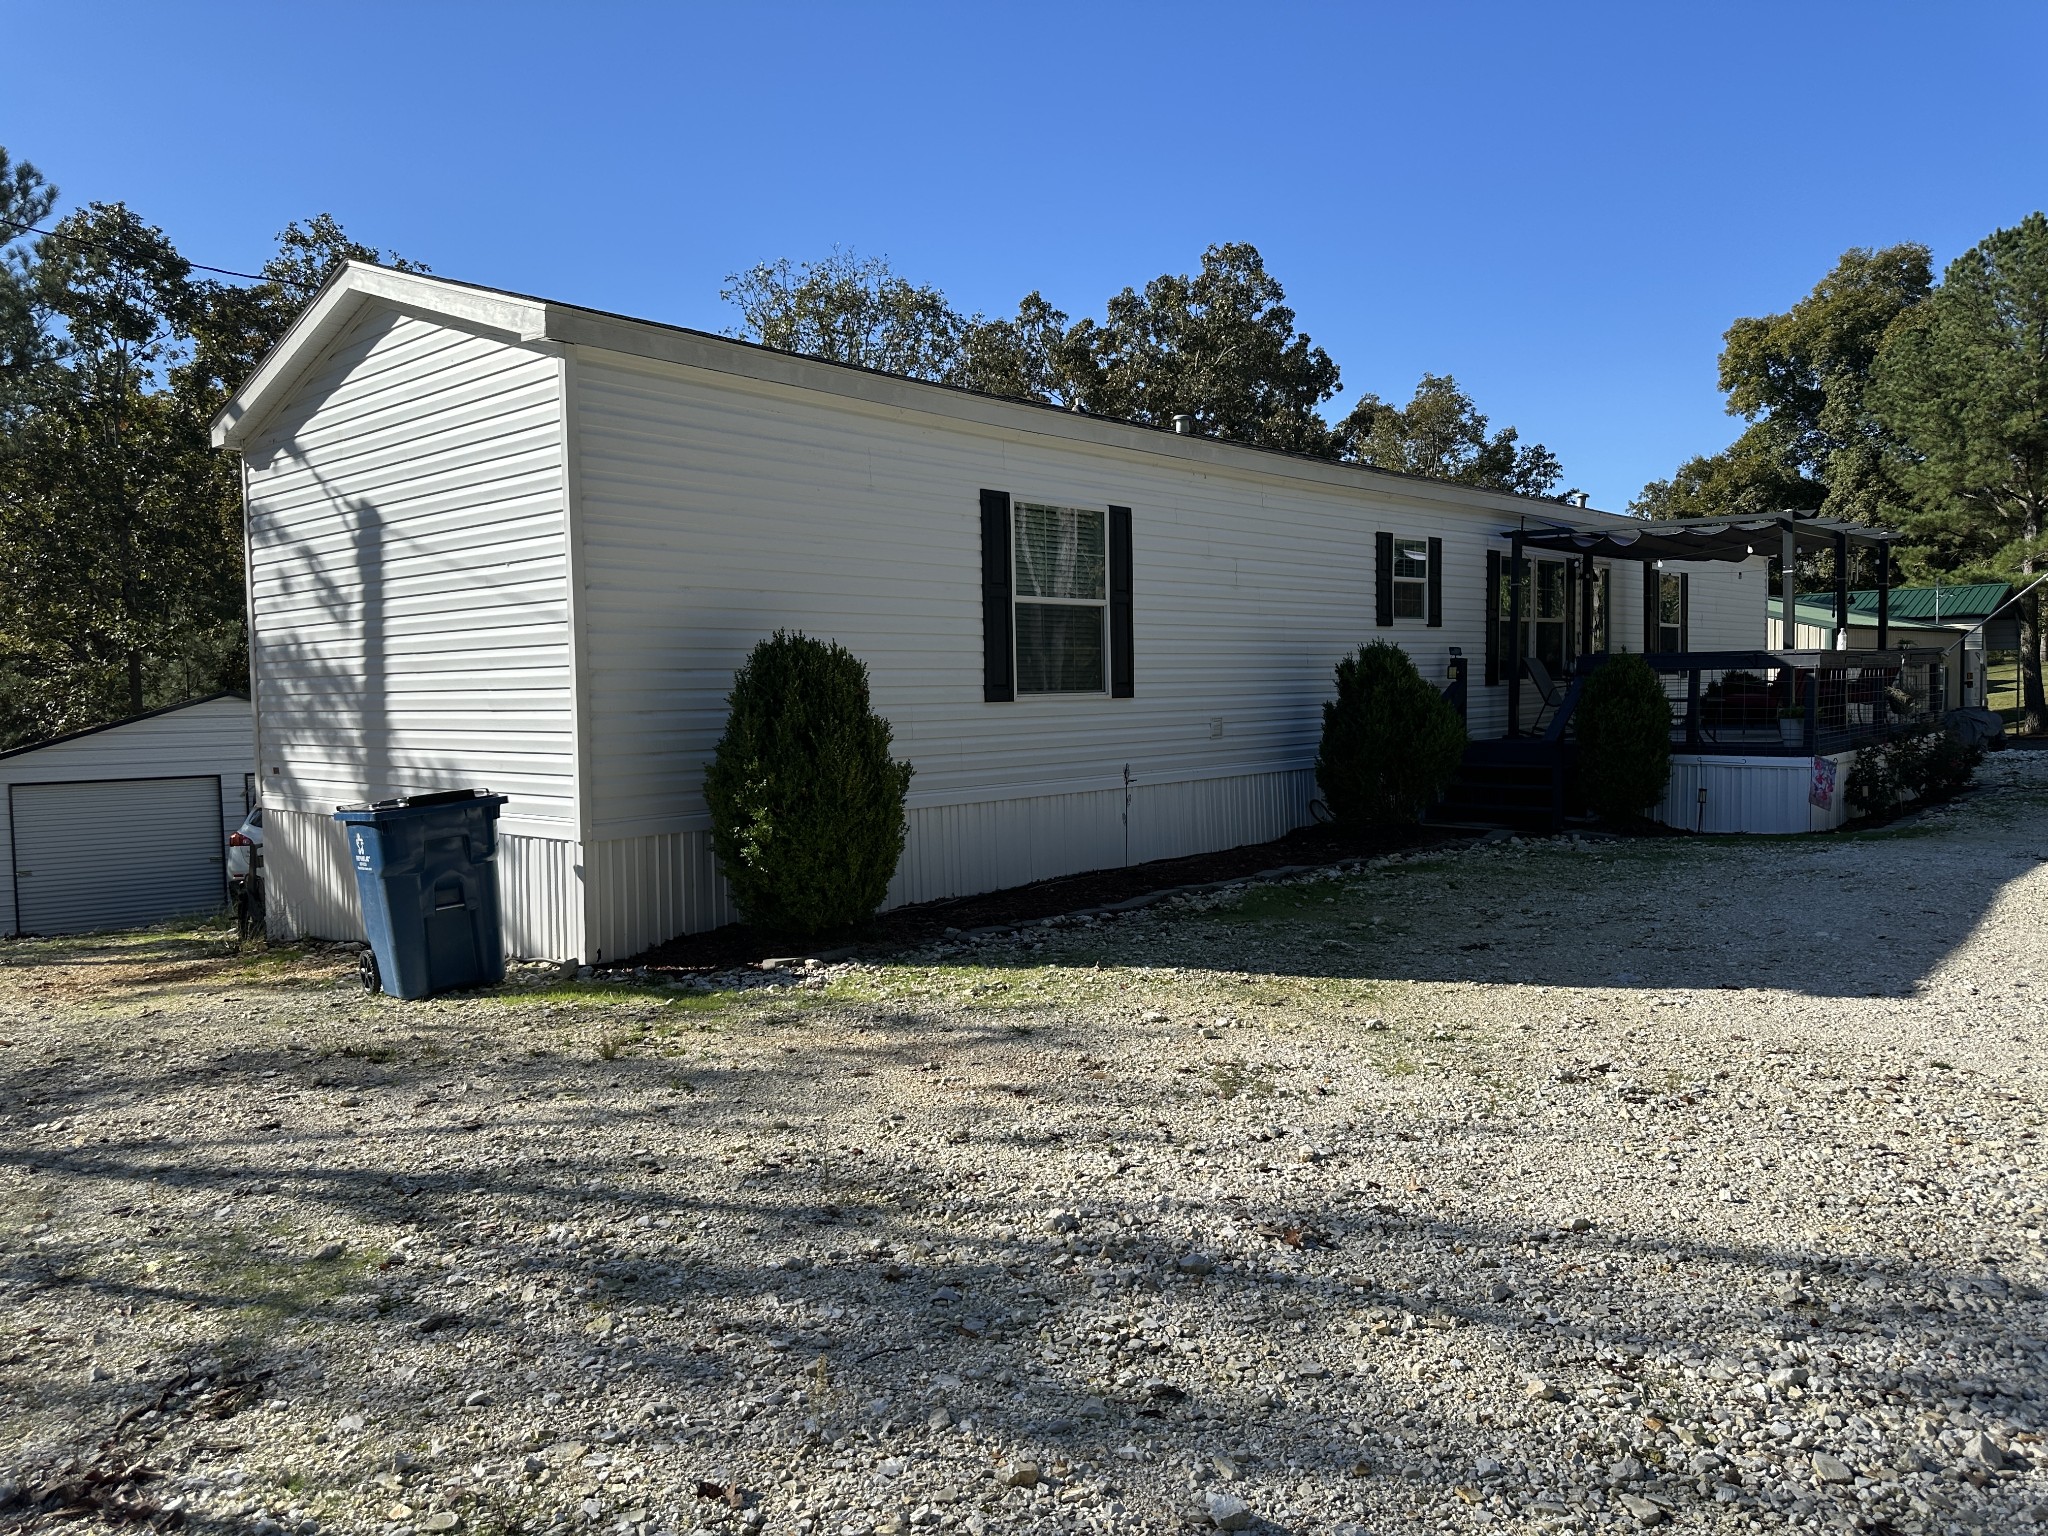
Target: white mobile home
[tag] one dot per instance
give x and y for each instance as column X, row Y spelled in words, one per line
column 500, row 541
column 124, row 824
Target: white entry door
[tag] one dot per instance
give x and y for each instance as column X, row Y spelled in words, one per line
column 116, row 853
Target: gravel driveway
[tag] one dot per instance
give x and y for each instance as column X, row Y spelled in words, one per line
column 1523, row 1186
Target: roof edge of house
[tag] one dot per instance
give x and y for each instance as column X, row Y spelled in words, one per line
column 526, row 319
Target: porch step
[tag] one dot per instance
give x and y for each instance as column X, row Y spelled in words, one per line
column 1514, row 785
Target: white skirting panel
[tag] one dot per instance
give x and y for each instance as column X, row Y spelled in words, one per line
column 540, row 898
column 310, row 889
column 647, row 889
column 1753, row 794
column 1169, row 821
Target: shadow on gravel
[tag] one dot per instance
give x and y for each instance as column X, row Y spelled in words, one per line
column 1800, row 915
column 567, row 1242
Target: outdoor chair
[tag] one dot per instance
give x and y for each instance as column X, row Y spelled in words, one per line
column 1546, row 688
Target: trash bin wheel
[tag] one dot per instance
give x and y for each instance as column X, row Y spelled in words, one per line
column 366, row 970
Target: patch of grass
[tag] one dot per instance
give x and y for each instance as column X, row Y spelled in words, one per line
column 1235, row 1078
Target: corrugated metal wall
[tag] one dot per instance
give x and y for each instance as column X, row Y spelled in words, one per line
column 1751, row 794
column 309, row 890
column 310, row 887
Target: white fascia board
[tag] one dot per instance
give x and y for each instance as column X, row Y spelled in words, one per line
column 354, row 286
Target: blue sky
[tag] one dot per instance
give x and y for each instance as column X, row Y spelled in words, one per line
column 1564, row 206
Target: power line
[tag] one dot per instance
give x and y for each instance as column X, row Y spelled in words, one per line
column 197, row 266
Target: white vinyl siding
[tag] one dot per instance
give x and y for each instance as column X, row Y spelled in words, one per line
column 211, row 740
column 1725, row 604
column 713, row 510
column 409, row 577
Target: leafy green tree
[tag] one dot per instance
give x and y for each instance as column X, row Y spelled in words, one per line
column 1800, row 380
column 806, row 803
column 120, row 527
column 1962, row 385
column 1442, row 435
column 25, row 201
column 1391, row 743
column 849, row 310
column 103, row 555
column 1220, row 346
column 1035, row 356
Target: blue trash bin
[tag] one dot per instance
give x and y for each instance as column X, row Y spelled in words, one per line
column 426, row 869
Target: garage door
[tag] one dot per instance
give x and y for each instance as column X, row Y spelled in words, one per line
column 116, row 854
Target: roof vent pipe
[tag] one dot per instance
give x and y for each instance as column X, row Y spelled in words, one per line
column 1579, row 498
column 1183, row 423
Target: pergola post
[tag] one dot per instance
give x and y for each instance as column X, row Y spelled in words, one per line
column 1515, row 627
column 1841, row 591
column 1884, row 596
column 1788, row 583
column 1586, row 603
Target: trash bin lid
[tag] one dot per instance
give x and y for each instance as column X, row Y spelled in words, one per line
column 399, row 804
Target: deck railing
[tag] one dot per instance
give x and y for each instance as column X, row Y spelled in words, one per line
column 1786, row 703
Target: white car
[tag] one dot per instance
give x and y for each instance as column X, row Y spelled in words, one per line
column 243, row 844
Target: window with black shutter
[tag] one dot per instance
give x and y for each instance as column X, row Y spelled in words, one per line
column 1057, row 612
column 1383, row 579
column 998, row 667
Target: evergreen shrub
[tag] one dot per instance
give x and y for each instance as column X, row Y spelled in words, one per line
column 1624, row 726
column 806, row 802
column 1391, row 743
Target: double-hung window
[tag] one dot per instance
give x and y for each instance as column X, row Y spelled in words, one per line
column 1670, row 621
column 1062, row 598
column 1411, row 578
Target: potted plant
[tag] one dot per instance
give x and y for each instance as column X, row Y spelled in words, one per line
column 1792, row 725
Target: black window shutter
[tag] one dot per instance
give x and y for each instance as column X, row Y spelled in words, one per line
column 1122, row 674
column 1653, row 581
column 1684, row 611
column 1436, row 583
column 1383, row 579
column 998, row 669
column 1492, row 617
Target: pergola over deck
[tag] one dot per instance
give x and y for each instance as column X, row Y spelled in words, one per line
column 1650, row 542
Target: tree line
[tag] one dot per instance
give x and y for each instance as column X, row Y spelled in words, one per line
column 1218, row 346
column 1888, row 398
column 121, row 570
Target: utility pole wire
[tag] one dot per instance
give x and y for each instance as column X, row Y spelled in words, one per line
column 197, row 266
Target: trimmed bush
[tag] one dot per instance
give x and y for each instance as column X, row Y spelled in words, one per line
column 1931, row 765
column 1624, row 725
column 806, row 803
column 1391, row 744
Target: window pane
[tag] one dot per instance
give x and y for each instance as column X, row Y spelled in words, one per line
column 1059, row 648
column 1059, row 552
column 1411, row 559
column 1549, row 590
column 1667, row 600
column 1408, row 599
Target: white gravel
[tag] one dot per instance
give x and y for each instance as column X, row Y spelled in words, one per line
column 1526, row 1186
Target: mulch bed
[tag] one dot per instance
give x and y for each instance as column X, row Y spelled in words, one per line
column 723, row 949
